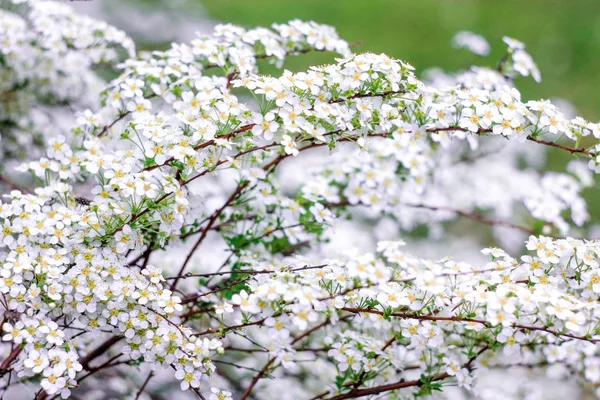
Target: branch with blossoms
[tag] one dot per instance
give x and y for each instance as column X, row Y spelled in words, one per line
column 428, row 310
column 172, row 167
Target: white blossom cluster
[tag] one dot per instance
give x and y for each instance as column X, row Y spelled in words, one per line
column 57, row 277
column 373, row 181
column 230, row 48
column 48, row 53
column 414, row 314
column 183, row 148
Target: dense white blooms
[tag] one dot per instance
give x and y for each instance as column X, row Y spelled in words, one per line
column 100, row 258
column 48, row 53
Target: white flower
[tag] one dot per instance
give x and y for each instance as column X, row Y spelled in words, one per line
column 219, row 394
column 188, row 377
column 265, row 126
column 36, row 361
column 125, row 239
column 320, row 213
column 473, row 42
column 290, row 145
column 513, row 44
column 223, row 308
column 246, row 302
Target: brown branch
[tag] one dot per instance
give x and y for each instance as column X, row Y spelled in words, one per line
column 247, row 127
column 13, row 185
column 234, row 327
column 572, row 150
column 107, row 364
column 365, row 95
column 139, row 393
column 313, row 145
column 190, row 298
column 474, row 216
column 253, row 272
column 403, row 384
column 211, row 221
column 4, row 367
column 229, row 135
column 256, row 378
column 98, row 351
column 431, row 317
column 107, row 127
column 270, row 361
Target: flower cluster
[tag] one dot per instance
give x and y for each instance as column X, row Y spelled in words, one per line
column 55, row 270
column 230, row 49
column 103, row 259
column 405, row 311
column 48, row 52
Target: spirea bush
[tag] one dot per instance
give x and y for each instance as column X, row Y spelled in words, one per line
column 148, row 235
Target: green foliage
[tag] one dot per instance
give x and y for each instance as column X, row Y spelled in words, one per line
column 428, row 386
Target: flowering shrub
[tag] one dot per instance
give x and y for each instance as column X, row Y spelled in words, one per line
column 102, row 253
